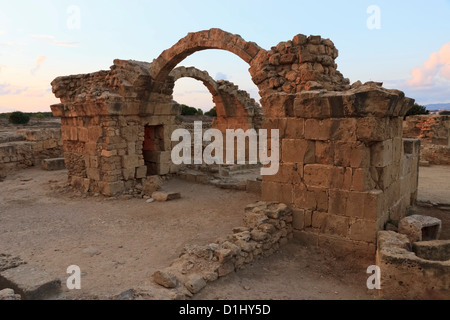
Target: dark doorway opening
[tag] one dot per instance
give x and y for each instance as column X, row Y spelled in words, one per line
column 152, row 148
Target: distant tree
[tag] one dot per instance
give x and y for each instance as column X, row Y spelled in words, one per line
column 40, row 116
column 211, row 113
column 445, row 113
column 416, row 110
column 18, row 117
column 188, row 111
column 199, row 112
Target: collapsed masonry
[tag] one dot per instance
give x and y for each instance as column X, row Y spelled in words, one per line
column 28, row 147
column 343, row 168
column 434, row 133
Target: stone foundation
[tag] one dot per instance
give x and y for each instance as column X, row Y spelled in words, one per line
column 405, row 275
column 267, row 226
column 28, row 147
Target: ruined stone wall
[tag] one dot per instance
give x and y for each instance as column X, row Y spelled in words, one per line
column 434, row 133
column 341, row 146
column 104, row 115
column 341, row 154
column 28, row 147
column 235, row 108
column 267, row 227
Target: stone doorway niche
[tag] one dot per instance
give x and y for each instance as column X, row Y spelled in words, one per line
column 153, row 148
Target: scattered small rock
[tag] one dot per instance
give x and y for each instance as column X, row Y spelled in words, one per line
column 91, row 251
column 165, row 279
column 165, row 196
column 195, row 283
column 8, row 294
column 150, row 200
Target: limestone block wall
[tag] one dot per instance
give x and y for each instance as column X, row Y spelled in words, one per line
column 103, row 120
column 28, row 148
column 235, row 108
column 434, row 133
column 341, row 155
column 341, row 146
column 267, row 227
column 434, row 129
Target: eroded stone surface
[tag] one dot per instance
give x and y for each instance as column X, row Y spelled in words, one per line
column 199, row 265
column 404, row 275
column 418, row 228
column 31, row 282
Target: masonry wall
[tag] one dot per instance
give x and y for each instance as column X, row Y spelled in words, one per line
column 341, row 161
column 28, row 147
column 341, row 145
column 434, row 133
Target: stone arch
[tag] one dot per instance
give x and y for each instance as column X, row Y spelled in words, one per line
column 235, row 108
column 202, row 40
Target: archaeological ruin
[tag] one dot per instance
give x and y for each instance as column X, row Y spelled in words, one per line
column 344, row 168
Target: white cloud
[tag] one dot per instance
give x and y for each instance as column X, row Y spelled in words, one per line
column 66, row 44
column 39, row 61
column 2, row 32
column 42, row 36
column 13, row 43
column 437, row 66
column 52, row 40
column 8, row 89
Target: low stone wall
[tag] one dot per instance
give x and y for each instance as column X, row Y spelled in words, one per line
column 434, row 133
column 435, row 154
column 267, row 226
column 28, row 147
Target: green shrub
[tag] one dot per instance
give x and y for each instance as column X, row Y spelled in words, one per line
column 18, row 117
column 416, row 110
column 188, row 111
column 211, row 113
column 445, row 113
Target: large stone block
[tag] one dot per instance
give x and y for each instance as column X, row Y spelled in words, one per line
column 331, row 129
column 287, row 173
column 312, row 198
column 332, row 224
column 274, row 191
column 363, row 230
column 351, row 154
column 31, row 282
column 382, row 153
column 53, row 164
column 131, row 161
column 324, row 152
column 298, row 219
column 298, row 151
column 112, row 188
column 420, row 228
column 373, row 129
column 141, row 172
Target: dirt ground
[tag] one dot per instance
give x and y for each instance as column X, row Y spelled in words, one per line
column 119, row 243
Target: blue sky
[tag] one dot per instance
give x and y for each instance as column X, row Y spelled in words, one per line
column 40, row 40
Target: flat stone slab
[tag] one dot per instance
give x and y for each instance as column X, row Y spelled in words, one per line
column 420, row 228
column 436, row 250
column 7, row 262
column 165, row 196
column 53, row 164
column 31, row 282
